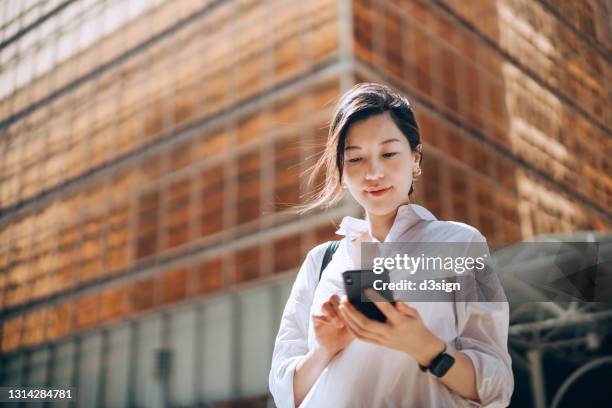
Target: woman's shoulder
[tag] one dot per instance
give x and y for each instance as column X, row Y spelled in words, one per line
column 442, row 230
column 454, row 231
column 315, row 255
column 318, row 250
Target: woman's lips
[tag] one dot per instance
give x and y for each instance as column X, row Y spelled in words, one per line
column 377, row 193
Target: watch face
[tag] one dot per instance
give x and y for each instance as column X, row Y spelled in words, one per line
column 442, row 365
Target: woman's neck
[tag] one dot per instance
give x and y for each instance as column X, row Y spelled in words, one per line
column 380, row 224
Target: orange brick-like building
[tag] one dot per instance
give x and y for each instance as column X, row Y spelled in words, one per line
column 153, row 162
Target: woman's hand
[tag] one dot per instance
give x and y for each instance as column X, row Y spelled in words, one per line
column 404, row 330
column 330, row 328
column 333, row 336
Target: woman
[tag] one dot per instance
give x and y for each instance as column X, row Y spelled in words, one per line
column 327, row 354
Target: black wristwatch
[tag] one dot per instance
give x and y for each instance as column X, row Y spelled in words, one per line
column 440, row 364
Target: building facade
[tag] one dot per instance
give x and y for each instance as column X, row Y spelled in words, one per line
column 151, row 153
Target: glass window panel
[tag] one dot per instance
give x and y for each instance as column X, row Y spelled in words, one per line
column 62, row 368
column 114, row 16
column 183, row 363
column 89, row 370
column 217, row 353
column 149, row 341
column 49, row 5
column 12, row 370
column 255, row 341
column 117, row 367
column 285, row 291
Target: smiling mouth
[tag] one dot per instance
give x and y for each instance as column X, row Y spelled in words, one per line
column 378, row 192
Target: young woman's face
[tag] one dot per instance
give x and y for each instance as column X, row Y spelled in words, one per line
column 378, row 164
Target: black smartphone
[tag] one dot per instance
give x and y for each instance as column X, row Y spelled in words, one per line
column 357, row 281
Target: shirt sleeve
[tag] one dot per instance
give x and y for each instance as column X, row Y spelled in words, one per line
column 291, row 343
column 483, row 338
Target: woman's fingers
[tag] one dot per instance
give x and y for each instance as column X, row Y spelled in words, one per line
column 321, row 318
column 352, row 319
column 407, row 310
column 383, row 305
column 331, row 316
column 335, row 304
column 331, row 309
column 361, row 333
column 327, row 309
column 358, row 320
column 335, row 301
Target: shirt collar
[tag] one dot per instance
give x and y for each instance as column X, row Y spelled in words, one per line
column 407, row 216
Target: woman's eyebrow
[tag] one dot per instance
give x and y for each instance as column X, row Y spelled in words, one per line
column 389, row 141
column 381, row 143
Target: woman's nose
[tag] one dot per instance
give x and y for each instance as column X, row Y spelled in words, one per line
column 374, row 171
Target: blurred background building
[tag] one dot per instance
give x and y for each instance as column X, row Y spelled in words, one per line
column 150, row 151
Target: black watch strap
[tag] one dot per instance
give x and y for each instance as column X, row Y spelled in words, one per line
column 425, row 369
column 440, row 364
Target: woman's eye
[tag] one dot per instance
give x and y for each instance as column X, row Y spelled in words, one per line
column 354, row 160
column 390, row 154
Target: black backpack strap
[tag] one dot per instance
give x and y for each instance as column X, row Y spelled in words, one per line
column 327, row 257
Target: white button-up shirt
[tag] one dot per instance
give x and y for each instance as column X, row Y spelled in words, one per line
column 369, row 375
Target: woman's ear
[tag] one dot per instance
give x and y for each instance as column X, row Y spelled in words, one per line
column 416, row 160
column 417, row 155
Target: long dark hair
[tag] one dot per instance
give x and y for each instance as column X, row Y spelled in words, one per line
column 359, row 103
